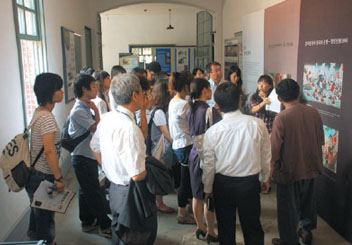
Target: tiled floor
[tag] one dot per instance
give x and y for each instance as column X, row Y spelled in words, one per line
column 68, row 229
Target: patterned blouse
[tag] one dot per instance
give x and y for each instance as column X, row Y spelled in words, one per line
column 267, row 116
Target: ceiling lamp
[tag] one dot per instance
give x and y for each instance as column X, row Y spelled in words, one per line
column 170, row 27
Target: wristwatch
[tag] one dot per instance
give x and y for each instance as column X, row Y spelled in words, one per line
column 60, row 179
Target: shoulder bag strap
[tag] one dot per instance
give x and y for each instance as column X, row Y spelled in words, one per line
column 152, row 117
column 38, row 156
column 34, row 119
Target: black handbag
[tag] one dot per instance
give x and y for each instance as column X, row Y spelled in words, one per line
column 67, row 142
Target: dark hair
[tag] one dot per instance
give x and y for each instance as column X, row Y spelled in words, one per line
column 181, row 80
column 196, row 89
column 100, row 77
column 213, row 63
column 161, row 95
column 87, row 70
column 161, row 75
column 267, row 79
column 154, row 67
column 236, row 69
column 194, row 72
column 82, row 81
column 116, row 70
column 138, row 71
column 45, row 85
column 227, row 97
column 145, row 85
column 287, row 90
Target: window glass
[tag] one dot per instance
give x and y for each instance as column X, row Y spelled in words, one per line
column 29, row 4
column 148, row 59
column 32, row 59
column 31, row 23
column 137, row 51
column 147, row 51
column 21, row 23
column 31, row 66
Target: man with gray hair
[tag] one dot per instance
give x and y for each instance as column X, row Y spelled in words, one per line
column 119, row 145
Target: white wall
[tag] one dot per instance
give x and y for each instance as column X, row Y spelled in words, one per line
column 11, row 123
column 213, row 6
column 72, row 15
column 234, row 10
column 120, row 29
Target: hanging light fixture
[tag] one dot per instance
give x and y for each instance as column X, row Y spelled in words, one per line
column 170, row 27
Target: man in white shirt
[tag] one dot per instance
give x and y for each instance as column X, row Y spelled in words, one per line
column 214, row 74
column 119, row 145
column 237, row 154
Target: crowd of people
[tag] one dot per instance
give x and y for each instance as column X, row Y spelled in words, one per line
column 150, row 130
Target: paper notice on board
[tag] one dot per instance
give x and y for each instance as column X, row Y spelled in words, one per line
column 275, row 104
column 48, row 199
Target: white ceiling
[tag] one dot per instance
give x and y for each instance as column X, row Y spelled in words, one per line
column 153, row 9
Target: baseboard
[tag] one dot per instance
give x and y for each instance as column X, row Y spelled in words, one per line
column 19, row 232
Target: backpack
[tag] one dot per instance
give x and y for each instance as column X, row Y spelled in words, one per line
column 148, row 140
column 15, row 160
column 67, row 142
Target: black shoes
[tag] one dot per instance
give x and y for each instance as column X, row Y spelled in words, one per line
column 306, row 236
column 210, row 239
column 277, row 241
column 199, row 233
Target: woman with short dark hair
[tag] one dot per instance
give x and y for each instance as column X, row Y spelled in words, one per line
column 198, row 73
column 260, row 99
column 45, row 138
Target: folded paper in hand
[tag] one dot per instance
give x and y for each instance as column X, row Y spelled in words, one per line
column 275, row 104
column 46, row 197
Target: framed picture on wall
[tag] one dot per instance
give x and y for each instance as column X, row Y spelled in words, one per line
column 72, row 60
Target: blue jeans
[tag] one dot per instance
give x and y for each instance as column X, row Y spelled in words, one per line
column 41, row 222
column 91, row 199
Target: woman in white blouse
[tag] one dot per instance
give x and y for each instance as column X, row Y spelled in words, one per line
column 182, row 142
column 103, row 85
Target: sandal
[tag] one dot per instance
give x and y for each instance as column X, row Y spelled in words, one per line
column 269, row 190
column 185, row 220
column 167, row 210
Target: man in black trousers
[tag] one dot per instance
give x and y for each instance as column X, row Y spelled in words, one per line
column 237, row 156
column 296, row 140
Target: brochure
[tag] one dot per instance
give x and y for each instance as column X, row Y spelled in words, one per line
column 46, row 197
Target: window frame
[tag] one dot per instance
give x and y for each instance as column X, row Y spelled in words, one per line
column 40, row 37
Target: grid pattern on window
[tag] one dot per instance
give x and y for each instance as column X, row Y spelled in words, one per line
column 144, row 53
column 28, row 19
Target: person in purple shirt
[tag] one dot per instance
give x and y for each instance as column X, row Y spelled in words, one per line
column 200, row 117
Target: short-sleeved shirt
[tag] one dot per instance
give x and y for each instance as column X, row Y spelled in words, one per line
column 101, row 105
column 178, row 124
column 213, row 86
column 159, row 119
column 81, row 120
column 45, row 124
column 121, row 144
